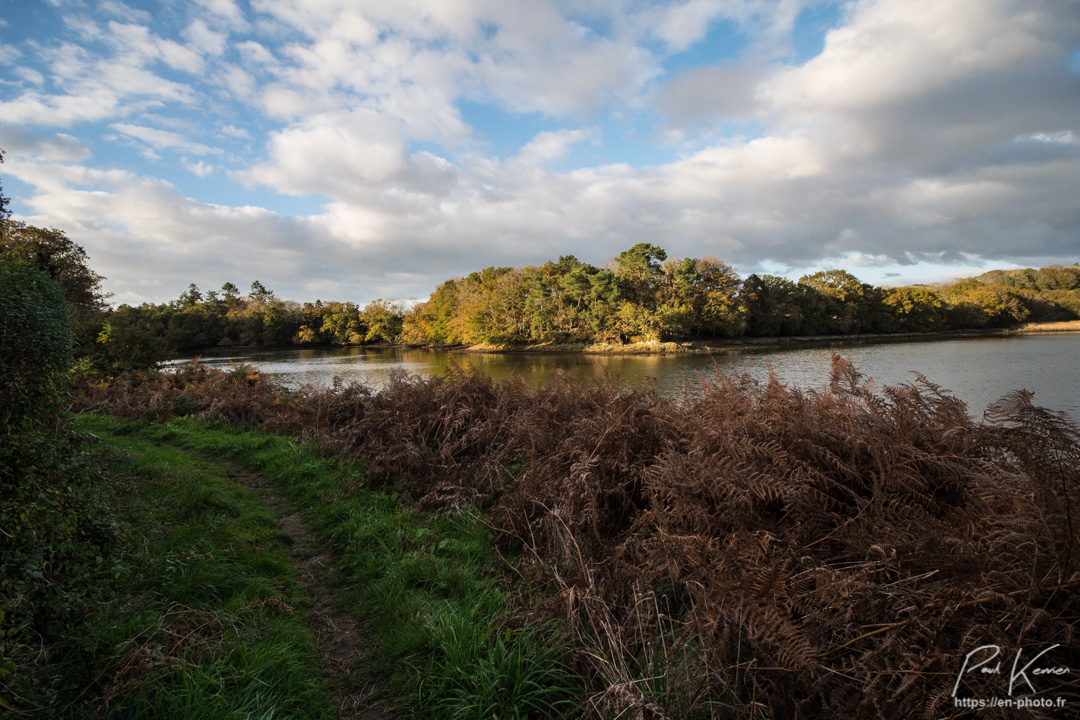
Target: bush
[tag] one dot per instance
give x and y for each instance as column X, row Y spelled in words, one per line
column 47, row 538
column 35, row 342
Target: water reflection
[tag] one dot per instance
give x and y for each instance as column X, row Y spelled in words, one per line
column 977, row 371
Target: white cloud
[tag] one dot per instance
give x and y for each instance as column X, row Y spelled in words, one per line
column 124, row 11
column 532, row 60
column 9, row 54
column 20, row 142
column 225, row 11
column 139, row 45
column 256, row 54
column 199, row 168
column 564, row 78
column 208, row 41
column 162, row 139
column 550, row 145
column 1065, row 137
column 234, row 132
column 681, row 25
column 30, row 75
column 99, row 87
column 711, row 94
column 35, row 108
column 891, row 51
column 342, row 155
column 138, row 223
column 180, row 57
column 238, row 83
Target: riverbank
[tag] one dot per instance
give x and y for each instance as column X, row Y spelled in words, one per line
column 688, row 347
column 746, row 344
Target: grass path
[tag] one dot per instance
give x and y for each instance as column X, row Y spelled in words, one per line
column 338, row 635
column 390, row 610
column 201, row 613
column 150, row 463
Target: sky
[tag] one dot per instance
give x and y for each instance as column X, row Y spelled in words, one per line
column 361, row 149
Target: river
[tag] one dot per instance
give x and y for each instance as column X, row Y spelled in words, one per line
column 977, row 370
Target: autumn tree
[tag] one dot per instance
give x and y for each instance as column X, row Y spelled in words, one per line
column 67, row 264
column 64, row 260
column 230, row 291
column 431, row 322
column 849, row 302
column 341, row 324
column 973, row 304
column 774, row 306
column 705, row 290
column 280, row 321
column 132, row 338
column 259, row 291
column 913, row 309
column 383, row 321
column 191, row 297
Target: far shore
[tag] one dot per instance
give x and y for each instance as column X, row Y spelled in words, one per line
column 745, row 344
column 720, row 346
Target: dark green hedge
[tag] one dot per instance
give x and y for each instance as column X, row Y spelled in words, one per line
column 50, row 544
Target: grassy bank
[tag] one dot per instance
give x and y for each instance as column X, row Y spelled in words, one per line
column 209, row 549
column 1048, row 327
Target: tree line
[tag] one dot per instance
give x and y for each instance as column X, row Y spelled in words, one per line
column 645, row 296
column 126, row 337
column 225, row 318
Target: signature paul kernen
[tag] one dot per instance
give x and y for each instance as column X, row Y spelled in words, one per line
column 1024, row 671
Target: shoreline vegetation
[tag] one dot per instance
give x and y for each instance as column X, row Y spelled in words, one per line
column 759, row 344
column 729, row 345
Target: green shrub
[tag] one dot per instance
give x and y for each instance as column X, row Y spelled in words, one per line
column 35, row 343
column 49, row 543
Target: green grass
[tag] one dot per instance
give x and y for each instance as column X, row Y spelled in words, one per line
column 200, row 614
column 423, row 583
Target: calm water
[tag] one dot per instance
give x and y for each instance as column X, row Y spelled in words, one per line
column 977, row 370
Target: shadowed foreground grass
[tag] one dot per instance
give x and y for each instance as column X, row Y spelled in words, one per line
column 200, row 615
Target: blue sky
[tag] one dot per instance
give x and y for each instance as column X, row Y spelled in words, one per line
column 355, row 149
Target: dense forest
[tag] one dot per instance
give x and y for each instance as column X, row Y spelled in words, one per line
column 646, row 296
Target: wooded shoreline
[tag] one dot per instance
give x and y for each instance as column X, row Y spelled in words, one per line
column 722, row 346
column 727, row 346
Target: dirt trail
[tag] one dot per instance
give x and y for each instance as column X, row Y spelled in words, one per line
column 338, row 636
